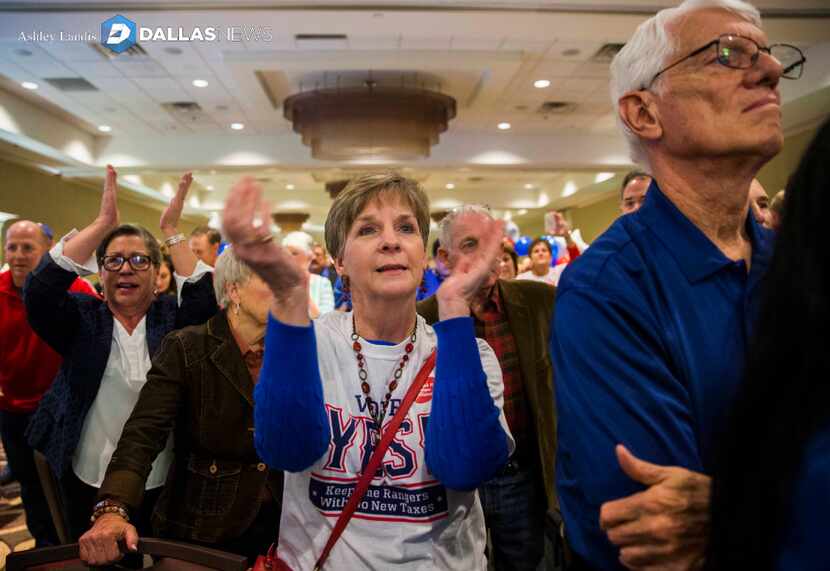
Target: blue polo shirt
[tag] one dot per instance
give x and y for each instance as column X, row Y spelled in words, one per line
column 648, row 344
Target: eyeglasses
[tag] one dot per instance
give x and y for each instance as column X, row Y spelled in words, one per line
column 739, row 52
column 138, row 262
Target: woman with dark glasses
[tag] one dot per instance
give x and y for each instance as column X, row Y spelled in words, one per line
column 106, row 345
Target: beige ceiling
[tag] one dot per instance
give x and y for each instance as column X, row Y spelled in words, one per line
column 485, row 54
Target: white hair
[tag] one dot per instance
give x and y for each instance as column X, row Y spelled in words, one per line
column 299, row 240
column 445, row 226
column 228, row 270
column 649, row 50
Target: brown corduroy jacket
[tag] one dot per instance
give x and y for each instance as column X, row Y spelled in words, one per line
column 200, row 388
column 529, row 308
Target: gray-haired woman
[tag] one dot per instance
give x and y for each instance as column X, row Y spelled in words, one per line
column 200, row 387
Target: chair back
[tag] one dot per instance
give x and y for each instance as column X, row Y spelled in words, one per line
column 167, row 556
column 51, row 490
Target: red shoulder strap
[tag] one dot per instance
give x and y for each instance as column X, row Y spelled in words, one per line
column 377, row 457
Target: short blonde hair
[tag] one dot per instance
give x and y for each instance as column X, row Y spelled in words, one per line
column 229, row 270
column 361, row 191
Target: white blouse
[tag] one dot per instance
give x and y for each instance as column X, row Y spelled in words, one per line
column 121, row 384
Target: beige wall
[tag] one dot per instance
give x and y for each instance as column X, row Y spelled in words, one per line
column 64, row 204
column 593, row 220
column 774, row 175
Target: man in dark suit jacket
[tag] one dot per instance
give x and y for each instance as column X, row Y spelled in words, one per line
column 513, row 317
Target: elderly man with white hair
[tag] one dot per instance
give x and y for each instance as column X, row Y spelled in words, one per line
column 652, row 322
column 512, row 316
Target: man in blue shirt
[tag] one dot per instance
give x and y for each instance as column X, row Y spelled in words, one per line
column 652, row 322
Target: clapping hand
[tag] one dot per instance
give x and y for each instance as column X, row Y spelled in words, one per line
column 108, row 215
column 170, row 217
column 475, row 264
column 245, row 222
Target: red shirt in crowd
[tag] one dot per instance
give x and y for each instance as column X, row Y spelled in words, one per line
column 27, row 364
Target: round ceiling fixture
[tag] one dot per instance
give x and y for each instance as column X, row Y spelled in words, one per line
column 374, row 122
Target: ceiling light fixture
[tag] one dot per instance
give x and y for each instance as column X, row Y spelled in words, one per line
column 569, row 189
column 237, row 126
column 522, row 211
column 200, row 83
column 504, row 126
column 450, row 186
column 289, row 186
column 541, row 83
column 29, row 85
column 603, row 176
column 209, row 187
column 528, row 186
column 367, row 121
column 104, row 128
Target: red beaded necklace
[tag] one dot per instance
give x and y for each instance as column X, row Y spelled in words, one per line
column 378, row 413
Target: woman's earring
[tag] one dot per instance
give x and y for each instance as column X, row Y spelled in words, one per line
column 236, row 309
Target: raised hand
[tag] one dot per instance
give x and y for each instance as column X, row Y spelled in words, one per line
column 477, row 263
column 108, row 215
column 561, row 226
column 245, row 222
column 169, row 221
column 82, row 245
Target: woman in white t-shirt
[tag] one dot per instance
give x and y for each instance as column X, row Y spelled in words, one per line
column 541, row 256
column 320, row 294
column 326, row 388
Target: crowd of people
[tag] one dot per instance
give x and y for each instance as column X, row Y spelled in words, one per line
column 657, row 398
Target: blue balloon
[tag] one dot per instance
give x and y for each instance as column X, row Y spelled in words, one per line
column 554, row 248
column 522, row 245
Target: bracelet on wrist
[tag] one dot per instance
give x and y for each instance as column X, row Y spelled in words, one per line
column 109, row 506
column 175, row 239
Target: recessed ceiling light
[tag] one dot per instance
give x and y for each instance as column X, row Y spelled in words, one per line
column 528, row 186
column 541, row 83
column 237, row 126
column 569, row 189
column 29, row 85
column 289, row 186
column 450, row 186
column 522, row 212
column 200, row 83
column 209, row 187
column 603, row 176
column 104, row 128
column 504, row 126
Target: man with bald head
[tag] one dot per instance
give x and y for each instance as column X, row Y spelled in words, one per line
column 29, row 366
column 652, row 323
